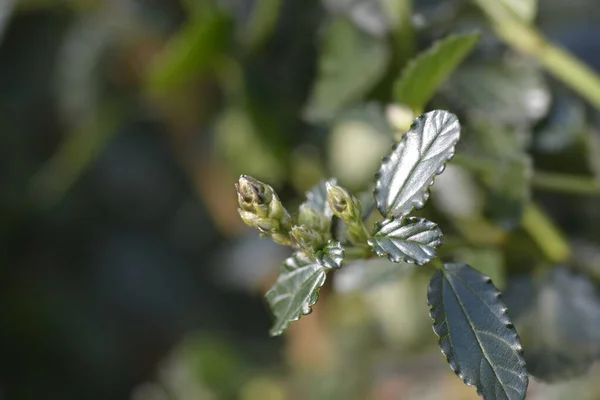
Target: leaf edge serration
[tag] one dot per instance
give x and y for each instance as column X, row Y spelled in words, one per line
column 444, row 341
column 387, row 159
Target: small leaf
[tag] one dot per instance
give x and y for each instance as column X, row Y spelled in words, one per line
column 423, row 75
column 406, row 174
column 414, row 240
column 559, row 323
column 316, row 197
column 331, row 256
column 297, row 287
column 350, row 62
column 476, row 335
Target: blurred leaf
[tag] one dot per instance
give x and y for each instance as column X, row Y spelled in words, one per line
column 511, row 93
column 263, row 21
column 317, row 197
column 244, row 150
column 563, row 125
column 424, row 74
column 350, row 63
column 413, row 240
column 6, row 9
column 369, row 274
column 193, row 51
column 297, row 287
column 510, row 186
column 476, row 335
column 524, row 9
column 368, row 15
column 406, row 174
column 558, row 319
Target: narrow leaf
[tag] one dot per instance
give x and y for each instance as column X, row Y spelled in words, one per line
column 297, row 287
column 406, row 174
column 476, row 335
column 426, row 73
column 414, row 240
column 351, row 61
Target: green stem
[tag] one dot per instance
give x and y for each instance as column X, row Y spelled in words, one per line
column 547, row 236
column 357, row 253
column 551, row 181
column 559, row 62
column 566, row 183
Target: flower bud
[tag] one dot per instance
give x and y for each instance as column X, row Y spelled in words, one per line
column 343, row 204
column 261, row 208
column 307, row 239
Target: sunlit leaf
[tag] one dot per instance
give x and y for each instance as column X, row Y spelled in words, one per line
column 413, row 240
column 297, row 287
column 558, row 320
column 476, row 335
column 406, row 174
column 424, row 75
column 350, row 63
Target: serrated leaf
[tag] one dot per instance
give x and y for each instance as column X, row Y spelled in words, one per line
column 297, row 287
column 476, row 335
column 426, row 73
column 413, row 240
column 559, row 323
column 406, row 174
column 316, row 197
column 350, row 62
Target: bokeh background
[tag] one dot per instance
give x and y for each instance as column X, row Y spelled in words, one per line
column 125, row 272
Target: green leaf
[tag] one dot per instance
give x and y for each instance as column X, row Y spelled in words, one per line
column 476, row 335
column 406, row 174
column 514, row 93
column 413, row 240
column 193, row 51
column 297, row 288
column 350, row 63
column 426, row 73
column 559, row 323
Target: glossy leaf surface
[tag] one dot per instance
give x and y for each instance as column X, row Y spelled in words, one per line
column 406, row 174
column 414, row 240
column 476, row 335
column 424, row 75
column 297, row 287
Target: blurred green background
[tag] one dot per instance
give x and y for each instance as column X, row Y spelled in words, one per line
column 125, row 270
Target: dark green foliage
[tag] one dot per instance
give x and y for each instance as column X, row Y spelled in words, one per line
column 476, row 335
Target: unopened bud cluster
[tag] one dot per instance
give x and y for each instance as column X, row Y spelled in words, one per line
column 261, row 208
column 347, row 208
